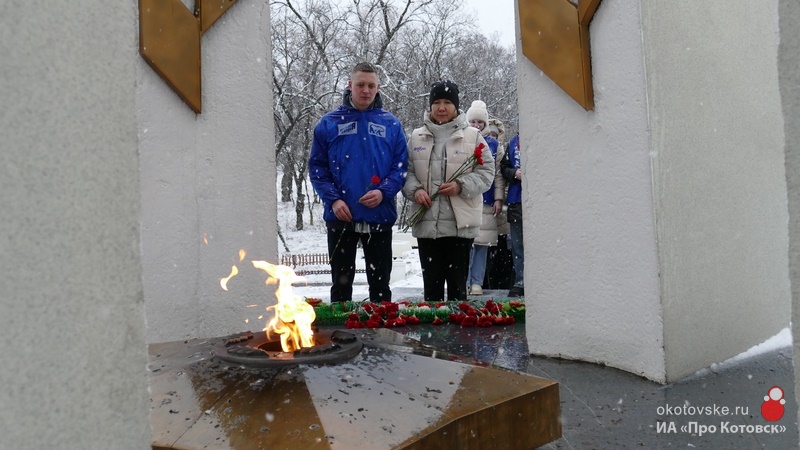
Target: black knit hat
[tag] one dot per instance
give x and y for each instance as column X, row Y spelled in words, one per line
column 444, row 89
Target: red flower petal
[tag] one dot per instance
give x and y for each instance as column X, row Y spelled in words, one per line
column 376, row 179
column 437, row 321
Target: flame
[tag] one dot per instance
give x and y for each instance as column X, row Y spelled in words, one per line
column 205, row 238
column 242, row 254
column 293, row 316
column 224, row 282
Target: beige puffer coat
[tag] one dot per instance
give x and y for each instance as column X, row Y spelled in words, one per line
column 435, row 152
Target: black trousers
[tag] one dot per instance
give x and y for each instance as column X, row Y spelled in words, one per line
column 342, row 246
column 444, row 260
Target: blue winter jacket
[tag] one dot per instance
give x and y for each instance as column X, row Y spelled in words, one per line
column 351, row 147
column 488, row 196
column 508, row 167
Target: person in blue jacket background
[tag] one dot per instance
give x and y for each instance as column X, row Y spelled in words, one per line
column 357, row 166
column 510, row 167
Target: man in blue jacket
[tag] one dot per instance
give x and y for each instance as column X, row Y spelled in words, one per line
column 510, row 168
column 357, row 166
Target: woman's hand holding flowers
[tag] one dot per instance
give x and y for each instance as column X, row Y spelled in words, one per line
column 422, row 197
column 450, row 188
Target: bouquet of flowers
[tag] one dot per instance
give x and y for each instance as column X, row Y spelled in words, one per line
column 475, row 159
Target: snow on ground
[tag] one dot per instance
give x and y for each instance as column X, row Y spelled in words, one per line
column 313, row 239
column 780, row 341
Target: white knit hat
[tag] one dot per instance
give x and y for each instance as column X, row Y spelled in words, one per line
column 478, row 112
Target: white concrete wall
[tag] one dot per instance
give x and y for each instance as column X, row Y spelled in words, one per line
column 212, row 175
column 71, row 310
column 719, row 179
column 789, row 76
column 656, row 227
column 591, row 273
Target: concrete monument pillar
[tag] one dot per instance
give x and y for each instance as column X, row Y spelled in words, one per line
column 789, row 75
column 655, row 226
column 72, row 316
column 208, row 183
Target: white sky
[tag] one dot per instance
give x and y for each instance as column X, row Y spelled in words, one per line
column 495, row 15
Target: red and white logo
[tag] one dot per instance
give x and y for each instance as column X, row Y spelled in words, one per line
column 772, row 408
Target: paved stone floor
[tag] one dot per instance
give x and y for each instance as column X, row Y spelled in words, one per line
column 605, row 408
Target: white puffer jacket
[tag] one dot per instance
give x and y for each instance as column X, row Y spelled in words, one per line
column 435, row 152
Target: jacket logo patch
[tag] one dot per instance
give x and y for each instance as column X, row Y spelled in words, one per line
column 419, row 149
column 377, row 130
column 348, row 128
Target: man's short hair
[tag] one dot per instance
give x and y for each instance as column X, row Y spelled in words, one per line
column 364, row 67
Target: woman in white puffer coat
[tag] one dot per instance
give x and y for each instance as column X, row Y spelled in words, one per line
column 452, row 219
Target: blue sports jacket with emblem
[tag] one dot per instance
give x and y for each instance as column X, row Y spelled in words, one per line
column 351, row 147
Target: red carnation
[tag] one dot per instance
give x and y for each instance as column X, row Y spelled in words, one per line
column 399, row 322
column 376, row 179
column 353, row 316
column 457, row 318
column 373, row 324
column 479, row 160
column 440, row 304
column 411, row 320
column 464, row 306
column 469, row 321
column 437, row 321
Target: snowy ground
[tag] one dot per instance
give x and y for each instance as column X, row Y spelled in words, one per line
column 312, row 239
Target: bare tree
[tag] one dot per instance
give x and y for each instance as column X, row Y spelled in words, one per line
column 413, row 42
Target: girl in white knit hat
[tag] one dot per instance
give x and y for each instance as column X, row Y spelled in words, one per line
column 478, row 117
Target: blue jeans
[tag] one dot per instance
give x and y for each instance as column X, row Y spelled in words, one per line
column 477, row 264
column 518, row 250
